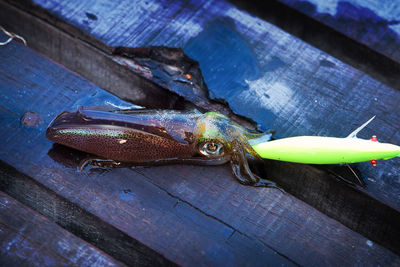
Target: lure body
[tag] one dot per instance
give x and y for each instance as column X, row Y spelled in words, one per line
column 325, row 150
column 158, row 136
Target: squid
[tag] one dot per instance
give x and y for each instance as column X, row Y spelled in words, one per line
column 119, row 138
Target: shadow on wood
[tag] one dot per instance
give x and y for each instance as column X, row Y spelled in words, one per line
column 77, row 220
column 27, row 238
column 323, row 187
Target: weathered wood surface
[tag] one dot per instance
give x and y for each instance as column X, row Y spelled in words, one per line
column 324, row 37
column 279, row 81
column 293, row 86
column 373, row 23
column 29, row 239
column 77, row 220
column 189, row 214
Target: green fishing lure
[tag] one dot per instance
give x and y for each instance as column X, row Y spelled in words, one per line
column 326, row 150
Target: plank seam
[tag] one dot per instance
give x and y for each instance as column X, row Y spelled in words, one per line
column 327, row 39
column 213, row 217
column 76, row 220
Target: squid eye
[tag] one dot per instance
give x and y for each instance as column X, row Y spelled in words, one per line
column 211, row 149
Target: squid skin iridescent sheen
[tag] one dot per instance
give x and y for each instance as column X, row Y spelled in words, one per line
column 144, row 137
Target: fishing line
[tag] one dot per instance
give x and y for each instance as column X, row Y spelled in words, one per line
column 12, row 37
column 351, row 169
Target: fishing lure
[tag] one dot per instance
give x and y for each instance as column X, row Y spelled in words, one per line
column 122, row 137
column 327, row 150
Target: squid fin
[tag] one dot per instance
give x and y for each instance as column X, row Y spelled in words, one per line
column 356, row 131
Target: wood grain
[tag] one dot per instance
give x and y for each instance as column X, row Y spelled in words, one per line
column 77, row 220
column 292, row 87
column 127, row 202
column 287, row 15
column 29, row 239
column 372, row 23
column 189, row 214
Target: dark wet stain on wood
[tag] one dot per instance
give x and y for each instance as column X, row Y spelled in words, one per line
column 91, row 16
column 170, row 68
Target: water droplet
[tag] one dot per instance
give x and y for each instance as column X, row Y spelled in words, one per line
column 30, row 119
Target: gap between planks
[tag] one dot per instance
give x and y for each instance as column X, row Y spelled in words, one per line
column 360, row 56
column 80, row 39
column 77, row 220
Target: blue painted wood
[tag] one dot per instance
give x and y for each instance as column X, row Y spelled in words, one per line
column 373, row 23
column 191, row 215
column 29, row 239
column 123, row 198
column 262, row 72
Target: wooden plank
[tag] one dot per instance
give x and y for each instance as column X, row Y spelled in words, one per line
column 189, row 214
column 77, row 220
column 110, row 72
column 283, row 75
column 42, row 76
column 322, row 36
column 280, row 82
column 372, row 23
column 128, row 202
column 97, row 63
column 354, row 222
column 273, row 219
column 29, row 239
